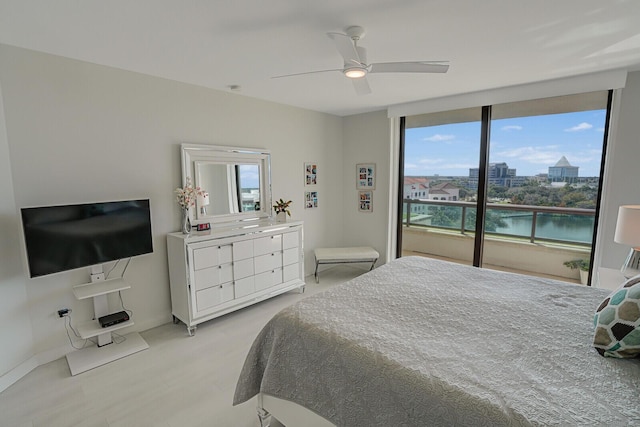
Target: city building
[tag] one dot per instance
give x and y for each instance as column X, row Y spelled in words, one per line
column 444, row 191
column 416, row 187
column 563, row 171
column 498, row 174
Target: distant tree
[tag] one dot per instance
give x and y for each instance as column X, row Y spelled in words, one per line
column 492, row 220
column 498, row 192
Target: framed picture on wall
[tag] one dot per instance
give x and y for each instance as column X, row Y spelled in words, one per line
column 365, row 201
column 310, row 173
column 310, row 199
column 366, row 176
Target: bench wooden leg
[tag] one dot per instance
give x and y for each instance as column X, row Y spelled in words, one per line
column 316, row 273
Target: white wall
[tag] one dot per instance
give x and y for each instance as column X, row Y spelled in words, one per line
column 366, row 140
column 15, row 324
column 621, row 184
column 79, row 132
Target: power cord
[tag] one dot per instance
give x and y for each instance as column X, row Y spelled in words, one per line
column 129, row 312
column 124, row 270
column 67, row 326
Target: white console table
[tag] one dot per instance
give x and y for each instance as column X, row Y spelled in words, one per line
column 106, row 349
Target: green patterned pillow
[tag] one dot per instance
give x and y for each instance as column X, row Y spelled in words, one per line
column 617, row 322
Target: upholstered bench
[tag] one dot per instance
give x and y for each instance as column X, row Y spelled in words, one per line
column 345, row 255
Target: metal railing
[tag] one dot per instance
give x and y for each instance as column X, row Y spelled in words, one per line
column 499, row 212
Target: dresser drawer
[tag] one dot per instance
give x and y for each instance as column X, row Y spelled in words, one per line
column 242, row 250
column 291, row 272
column 212, row 276
column 267, row 262
column 244, row 286
column 243, row 268
column 267, row 244
column 213, row 296
column 209, row 256
column 290, row 256
column 290, row 240
column 268, row 278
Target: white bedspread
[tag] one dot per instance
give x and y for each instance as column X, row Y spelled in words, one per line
column 421, row 342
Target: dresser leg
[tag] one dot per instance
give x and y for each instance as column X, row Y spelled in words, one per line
column 191, row 330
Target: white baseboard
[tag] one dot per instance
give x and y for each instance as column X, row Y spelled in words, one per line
column 18, row 372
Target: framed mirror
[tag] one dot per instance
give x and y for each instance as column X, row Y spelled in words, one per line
column 237, row 180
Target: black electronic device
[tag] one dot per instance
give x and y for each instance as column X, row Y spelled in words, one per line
column 113, row 319
column 60, row 238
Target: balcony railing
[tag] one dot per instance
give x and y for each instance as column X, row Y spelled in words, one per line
column 535, row 223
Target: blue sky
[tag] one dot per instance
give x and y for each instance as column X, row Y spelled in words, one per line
column 529, row 144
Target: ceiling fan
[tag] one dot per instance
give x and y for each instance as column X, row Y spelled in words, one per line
column 355, row 62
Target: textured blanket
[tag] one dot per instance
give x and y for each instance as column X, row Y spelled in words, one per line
column 421, row 342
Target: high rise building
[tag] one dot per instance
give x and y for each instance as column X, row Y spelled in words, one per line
column 498, row 174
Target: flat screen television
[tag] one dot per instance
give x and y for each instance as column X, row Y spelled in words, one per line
column 61, row 238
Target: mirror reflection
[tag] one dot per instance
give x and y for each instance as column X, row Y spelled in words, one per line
column 236, row 187
column 236, row 182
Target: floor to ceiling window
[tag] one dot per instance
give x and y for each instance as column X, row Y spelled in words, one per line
column 529, row 170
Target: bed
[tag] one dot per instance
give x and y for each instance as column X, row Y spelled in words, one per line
column 420, row 342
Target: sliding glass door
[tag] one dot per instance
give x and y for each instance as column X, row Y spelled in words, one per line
column 531, row 171
column 439, row 208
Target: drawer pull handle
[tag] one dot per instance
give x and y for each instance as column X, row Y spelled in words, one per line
column 219, row 266
column 220, row 286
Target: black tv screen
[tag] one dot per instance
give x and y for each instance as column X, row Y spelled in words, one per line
column 60, row 238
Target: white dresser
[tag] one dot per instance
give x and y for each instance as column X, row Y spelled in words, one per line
column 219, row 271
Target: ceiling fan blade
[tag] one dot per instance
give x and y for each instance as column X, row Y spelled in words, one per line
column 345, row 47
column 361, row 86
column 409, row 67
column 307, row 72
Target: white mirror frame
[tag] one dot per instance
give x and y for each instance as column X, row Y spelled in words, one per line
column 198, row 154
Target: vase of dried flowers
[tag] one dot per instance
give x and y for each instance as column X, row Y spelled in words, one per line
column 186, row 198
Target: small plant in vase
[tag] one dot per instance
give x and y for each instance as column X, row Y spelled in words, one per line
column 282, row 210
column 583, row 267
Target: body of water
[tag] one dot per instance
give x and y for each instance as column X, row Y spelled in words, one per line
column 557, row 227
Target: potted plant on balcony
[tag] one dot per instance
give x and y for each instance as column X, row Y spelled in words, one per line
column 583, row 267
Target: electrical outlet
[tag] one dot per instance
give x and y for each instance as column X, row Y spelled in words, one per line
column 64, row 312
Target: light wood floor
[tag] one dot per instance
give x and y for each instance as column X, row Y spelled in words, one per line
column 180, row 381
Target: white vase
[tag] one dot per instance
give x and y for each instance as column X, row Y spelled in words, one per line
column 186, row 222
column 584, row 277
column 281, row 217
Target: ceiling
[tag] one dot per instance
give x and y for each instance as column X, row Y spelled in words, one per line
column 217, row 43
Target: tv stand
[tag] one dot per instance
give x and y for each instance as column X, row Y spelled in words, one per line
column 106, row 350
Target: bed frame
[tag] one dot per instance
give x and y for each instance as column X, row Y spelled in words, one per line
column 286, row 413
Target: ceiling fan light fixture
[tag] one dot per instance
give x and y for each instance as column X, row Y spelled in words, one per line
column 355, row 72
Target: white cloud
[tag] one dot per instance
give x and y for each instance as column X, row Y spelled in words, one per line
column 410, row 166
column 538, row 155
column 582, row 126
column 511, row 127
column 438, row 138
